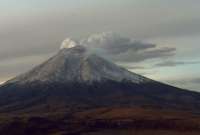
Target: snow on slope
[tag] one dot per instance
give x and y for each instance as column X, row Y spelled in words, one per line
column 76, row 64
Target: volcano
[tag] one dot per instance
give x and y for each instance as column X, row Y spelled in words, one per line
column 76, row 77
column 81, row 84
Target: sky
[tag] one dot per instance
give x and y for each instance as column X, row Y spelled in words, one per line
column 158, row 39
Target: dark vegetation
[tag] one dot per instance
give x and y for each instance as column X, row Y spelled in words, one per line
column 100, row 121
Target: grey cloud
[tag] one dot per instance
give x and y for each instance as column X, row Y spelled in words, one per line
column 118, row 48
column 175, row 63
column 151, row 54
column 178, row 28
column 131, row 66
column 189, row 83
column 185, row 81
column 27, row 47
column 16, row 66
column 175, row 27
column 134, row 67
column 114, row 43
column 196, row 80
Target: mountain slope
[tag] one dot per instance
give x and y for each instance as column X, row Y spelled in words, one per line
column 77, row 65
column 76, row 79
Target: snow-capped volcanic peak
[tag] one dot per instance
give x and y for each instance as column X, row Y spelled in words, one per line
column 76, row 64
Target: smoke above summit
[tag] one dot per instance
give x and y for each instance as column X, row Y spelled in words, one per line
column 120, row 49
column 68, row 43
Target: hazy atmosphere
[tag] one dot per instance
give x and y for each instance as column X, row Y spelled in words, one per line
column 158, row 39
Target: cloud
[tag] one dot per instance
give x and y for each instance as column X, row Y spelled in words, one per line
column 18, row 65
column 138, row 56
column 134, row 67
column 191, row 83
column 119, row 48
column 175, row 63
column 114, row 43
column 185, row 81
column 68, row 43
column 195, row 80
